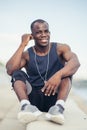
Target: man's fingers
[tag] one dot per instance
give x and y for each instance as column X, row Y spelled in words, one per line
column 54, row 91
column 47, row 91
column 45, row 86
column 50, row 91
column 43, row 89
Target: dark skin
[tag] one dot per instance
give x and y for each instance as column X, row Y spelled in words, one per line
column 41, row 36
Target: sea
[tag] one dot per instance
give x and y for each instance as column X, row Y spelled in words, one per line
column 80, row 88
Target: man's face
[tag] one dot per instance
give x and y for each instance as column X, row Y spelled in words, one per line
column 41, row 33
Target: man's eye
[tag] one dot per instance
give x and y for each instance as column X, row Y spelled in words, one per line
column 38, row 32
column 47, row 31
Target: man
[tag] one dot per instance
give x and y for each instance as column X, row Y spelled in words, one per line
column 47, row 81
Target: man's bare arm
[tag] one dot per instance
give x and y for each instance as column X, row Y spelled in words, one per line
column 71, row 59
column 18, row 60
column 71, row 66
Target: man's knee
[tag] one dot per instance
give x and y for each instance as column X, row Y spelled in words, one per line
column 18, row 75
column 67, row 81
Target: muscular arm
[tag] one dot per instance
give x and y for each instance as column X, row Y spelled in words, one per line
column 71, row 66
column 71, row 59
column 18, row 60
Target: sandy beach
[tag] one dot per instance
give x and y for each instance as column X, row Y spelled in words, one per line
column 75, row 112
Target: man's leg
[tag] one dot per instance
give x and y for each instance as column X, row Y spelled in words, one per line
column 55, row 113
column 20, row 90
column 64, row 89
column 28, row 112
column 19, row 79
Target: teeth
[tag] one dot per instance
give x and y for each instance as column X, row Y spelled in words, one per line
column 44, row 40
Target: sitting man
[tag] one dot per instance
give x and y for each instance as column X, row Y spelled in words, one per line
column 45, row 85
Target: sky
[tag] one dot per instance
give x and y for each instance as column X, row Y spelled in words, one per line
column 67, row 20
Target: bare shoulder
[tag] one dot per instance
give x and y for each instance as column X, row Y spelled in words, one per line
column 62, row 48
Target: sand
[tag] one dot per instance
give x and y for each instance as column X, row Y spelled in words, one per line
column 75, row 112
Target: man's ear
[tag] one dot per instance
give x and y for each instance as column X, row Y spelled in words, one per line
column 32, row 36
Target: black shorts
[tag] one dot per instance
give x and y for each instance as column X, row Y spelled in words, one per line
column 36, row 96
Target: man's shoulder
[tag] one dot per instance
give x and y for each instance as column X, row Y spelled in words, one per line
column 62, row 47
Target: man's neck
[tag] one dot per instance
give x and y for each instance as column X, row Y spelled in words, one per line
column 42, row 50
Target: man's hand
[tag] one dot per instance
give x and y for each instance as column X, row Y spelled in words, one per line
column 51, row 86
column 26, row 38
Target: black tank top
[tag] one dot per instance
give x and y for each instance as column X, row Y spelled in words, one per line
column 54, row 65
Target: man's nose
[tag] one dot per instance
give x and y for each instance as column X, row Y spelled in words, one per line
column 43, row 33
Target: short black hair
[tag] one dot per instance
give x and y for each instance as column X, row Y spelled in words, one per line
column 39, row 21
